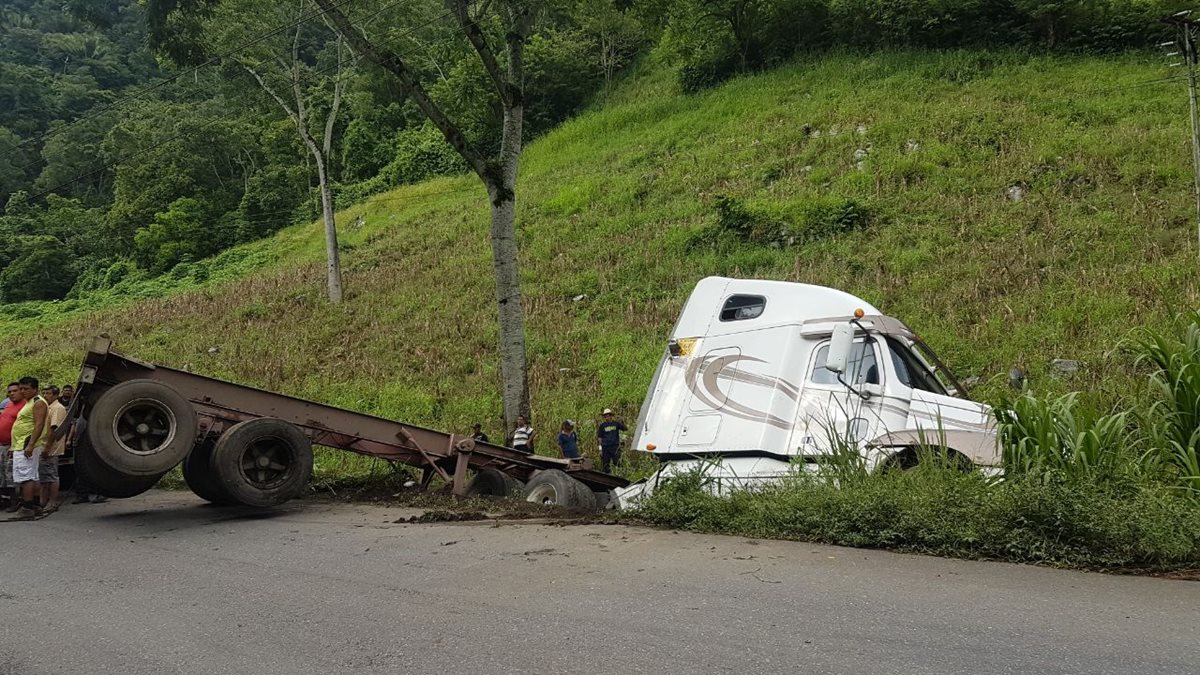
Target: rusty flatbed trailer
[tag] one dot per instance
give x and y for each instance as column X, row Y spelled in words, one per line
column 241, row 444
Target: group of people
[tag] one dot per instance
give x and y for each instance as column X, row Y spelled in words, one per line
column 29, row 417
column 608, row 436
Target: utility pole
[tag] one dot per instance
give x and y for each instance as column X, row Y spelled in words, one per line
column 1188, row 28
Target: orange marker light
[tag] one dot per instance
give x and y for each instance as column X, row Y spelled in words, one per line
column 858, row 313
column 651, row 447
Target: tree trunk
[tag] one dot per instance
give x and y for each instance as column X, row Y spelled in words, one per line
column 499, row 176
column 299, row 117
column 513, row 369
column 514, row 377
column 333, row 263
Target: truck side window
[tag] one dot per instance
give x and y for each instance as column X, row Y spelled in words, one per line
column 743, row 307
column 911, row 371
column 864, row 368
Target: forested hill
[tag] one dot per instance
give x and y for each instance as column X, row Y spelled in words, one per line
column 134, row 138
column 1013, row 208
column 61, row 65
column 112, row 167
column 1016, row 203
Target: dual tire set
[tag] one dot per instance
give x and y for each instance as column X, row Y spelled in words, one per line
column 550, row 487
column 139, row 430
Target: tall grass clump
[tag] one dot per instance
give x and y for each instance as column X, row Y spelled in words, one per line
column 1057, row 439
column 1175, row 417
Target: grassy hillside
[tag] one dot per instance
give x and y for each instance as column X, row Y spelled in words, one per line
column 893, row 173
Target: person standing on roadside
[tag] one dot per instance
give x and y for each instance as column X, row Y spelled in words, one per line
column 568, row 440
column 522, row 436
column 48, row 466
column 67, row 395
column 28, row 441
column 8, row 417
column 608, row 432
column 477, row 433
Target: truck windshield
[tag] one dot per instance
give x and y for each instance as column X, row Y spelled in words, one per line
column 911, row 370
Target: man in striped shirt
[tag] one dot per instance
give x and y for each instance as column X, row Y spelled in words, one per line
column 522, row 436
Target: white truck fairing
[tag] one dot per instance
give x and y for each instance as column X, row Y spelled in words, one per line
column 743, row 388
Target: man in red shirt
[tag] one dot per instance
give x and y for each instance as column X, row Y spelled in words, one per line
column 8, row 417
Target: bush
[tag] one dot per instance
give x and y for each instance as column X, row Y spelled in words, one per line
column 739, row 224
column 274, row 198
column 421, row 153
column 945, row 512
column 717, row 40
column 707, row 72
column 185, row 232
column 43, row 270
column 831, row 217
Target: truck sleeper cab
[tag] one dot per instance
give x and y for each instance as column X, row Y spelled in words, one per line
column 763, row 378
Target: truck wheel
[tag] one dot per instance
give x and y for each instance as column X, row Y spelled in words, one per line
column 494, row 483
column 200, row 477
column 103, row 480
column 141, row 428
column 556, row 488
column 263, row 462
column 910, row 458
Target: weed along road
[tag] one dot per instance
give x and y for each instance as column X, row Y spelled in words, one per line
column 163, row 584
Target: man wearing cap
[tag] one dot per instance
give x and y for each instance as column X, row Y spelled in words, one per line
column 609, row 434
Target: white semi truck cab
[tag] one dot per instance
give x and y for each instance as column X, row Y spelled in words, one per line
column 761, row 379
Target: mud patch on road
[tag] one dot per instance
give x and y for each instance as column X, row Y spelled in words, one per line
column 444, row 517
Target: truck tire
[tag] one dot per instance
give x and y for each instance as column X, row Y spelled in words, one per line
column 200, row 476
column 103, row 480
column 141, row 428
column 494, row 483
column 263, row 462
column 910, row 458
column 554, row 487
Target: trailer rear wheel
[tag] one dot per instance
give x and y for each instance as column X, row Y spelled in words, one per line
column 101, row 479
column 141, row 428
column 200, row 476
column 263, row 462
column 494, row 483
column 554, row 487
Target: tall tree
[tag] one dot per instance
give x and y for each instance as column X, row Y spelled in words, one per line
column 497, row 171
column 303, row 70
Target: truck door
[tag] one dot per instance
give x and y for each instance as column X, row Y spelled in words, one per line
column 932, row 408
column 830, row 412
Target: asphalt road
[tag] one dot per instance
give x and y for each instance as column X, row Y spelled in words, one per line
column 162, row 584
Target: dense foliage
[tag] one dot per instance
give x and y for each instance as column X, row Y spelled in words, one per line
column 112, row 151
column 715, row 39
column 133, row 132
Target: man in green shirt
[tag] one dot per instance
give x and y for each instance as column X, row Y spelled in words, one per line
column 29, row 439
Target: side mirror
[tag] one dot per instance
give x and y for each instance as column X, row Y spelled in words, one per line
column 839, row 348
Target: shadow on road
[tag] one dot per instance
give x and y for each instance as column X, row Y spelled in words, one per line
column 185, row 516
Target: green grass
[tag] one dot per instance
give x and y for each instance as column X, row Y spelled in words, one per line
column 944, row 512
column 613, row 203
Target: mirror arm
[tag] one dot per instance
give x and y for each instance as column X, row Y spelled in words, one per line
column 866, row 396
